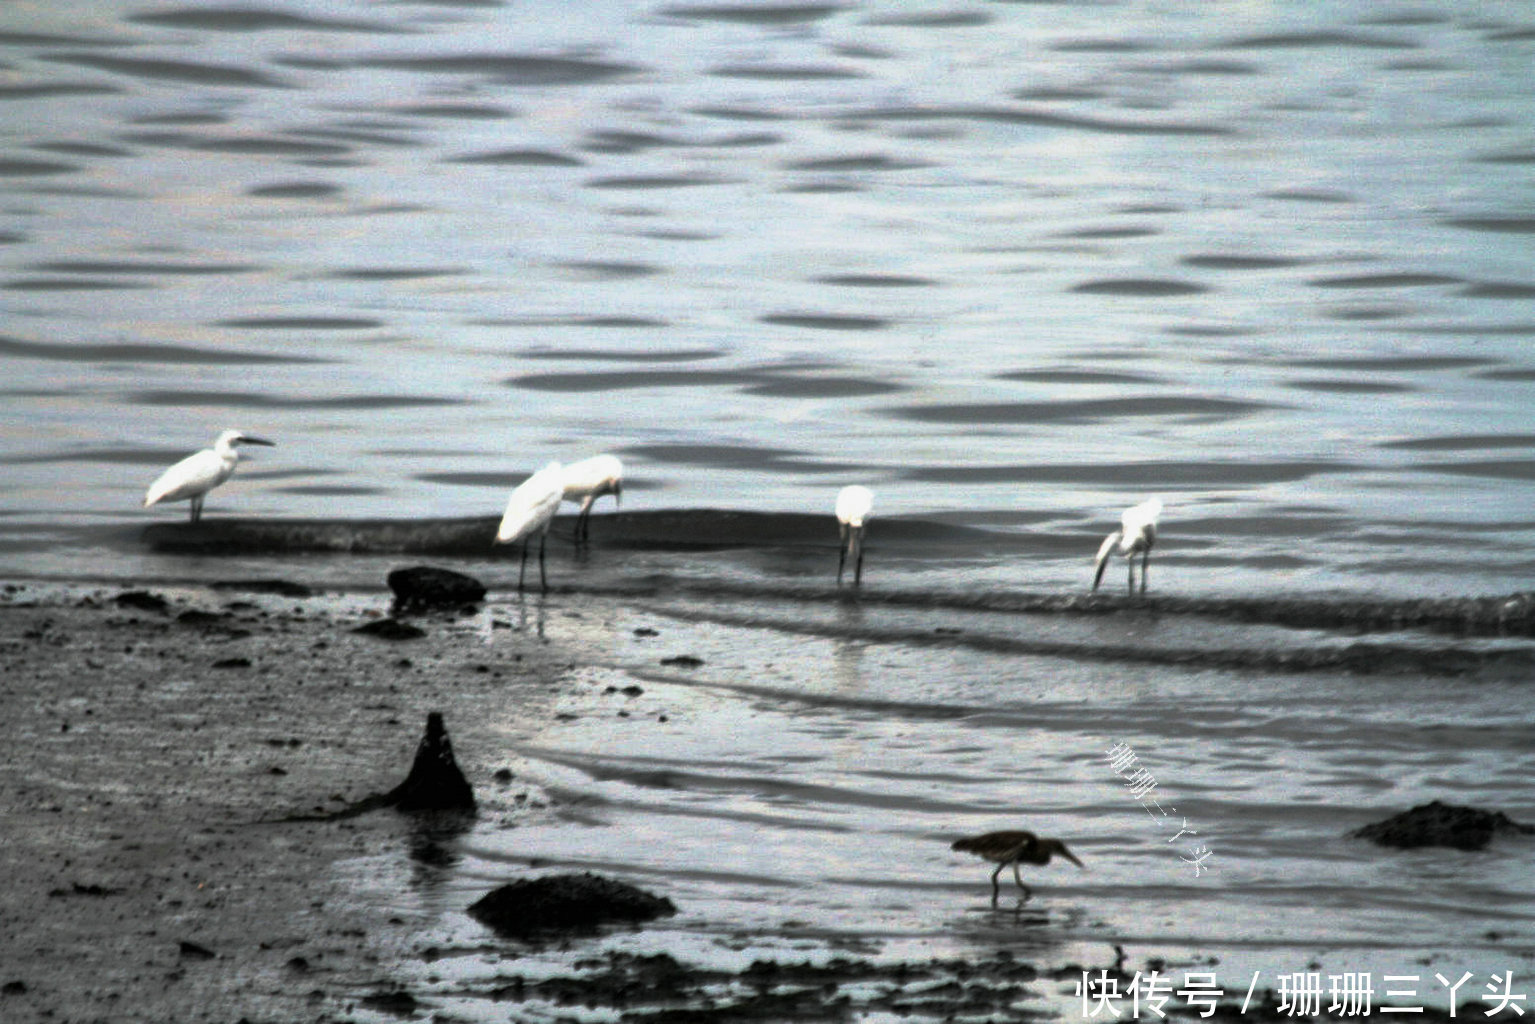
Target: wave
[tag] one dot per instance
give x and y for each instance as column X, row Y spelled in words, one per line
column 1509, row 615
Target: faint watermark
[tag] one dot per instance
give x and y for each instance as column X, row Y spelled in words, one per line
column 1142, row 786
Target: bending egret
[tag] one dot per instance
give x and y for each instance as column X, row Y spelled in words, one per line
column 530, row 510
column 853, row 505
column 1137, row 536
column 1014, row 847
column 590, row 479
column 197, row 474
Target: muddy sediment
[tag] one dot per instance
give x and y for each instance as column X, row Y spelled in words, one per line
column 174, row 829
column 166, row 757
column 174, row 850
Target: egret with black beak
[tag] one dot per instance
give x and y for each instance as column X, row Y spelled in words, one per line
column 197, row 474
column 1136, row 536
column 588, row 480
column 530, row 510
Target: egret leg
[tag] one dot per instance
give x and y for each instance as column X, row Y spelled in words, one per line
column 1145, row 568
column 543, row 580
column 841, row 552
column 1131, row 560
column 858, row 565
column 523, row 568
column 197, row 508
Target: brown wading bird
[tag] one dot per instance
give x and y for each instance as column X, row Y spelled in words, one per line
column 1013, row 847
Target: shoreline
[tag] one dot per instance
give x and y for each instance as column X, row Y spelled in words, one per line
column 176, row 753
column 172, row 855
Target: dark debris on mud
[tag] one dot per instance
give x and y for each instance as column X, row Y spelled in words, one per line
column 658, row 989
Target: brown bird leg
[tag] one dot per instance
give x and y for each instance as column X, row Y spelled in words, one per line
column 1027, row 892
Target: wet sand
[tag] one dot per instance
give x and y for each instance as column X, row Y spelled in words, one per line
column 171, row 845
column 151, row 756
column 178, row 758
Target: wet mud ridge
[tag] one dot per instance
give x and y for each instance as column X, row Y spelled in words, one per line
column 1472, row 636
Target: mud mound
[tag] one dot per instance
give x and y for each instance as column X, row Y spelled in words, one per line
column 1440, row 824
column 566, row 903
column 435, row 782
column 422, row 588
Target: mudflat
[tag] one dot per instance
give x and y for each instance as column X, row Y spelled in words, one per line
column 163, row 751
column 183, row 769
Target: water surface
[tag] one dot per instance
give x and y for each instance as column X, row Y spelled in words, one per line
column 1014, row 266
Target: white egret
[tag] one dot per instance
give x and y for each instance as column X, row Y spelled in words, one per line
column 590, row 479
column 1136, row 536
column 853, row 505
column 530, row 510
column 1013, row 847
column 197, row 474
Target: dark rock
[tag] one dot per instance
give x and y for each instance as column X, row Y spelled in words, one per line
column 196, row 617
column 1440, row 824
column 192, row 951
column 683, row 661
column 232, row 663
column 76, row 889
column 391, row 629
column 647, row 631
column 566, row 903
column 143, row 600
column 13, row 988
column 435, row 782
column 396, row 1004
column 425, row 587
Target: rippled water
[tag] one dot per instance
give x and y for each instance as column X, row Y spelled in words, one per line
column 1013, row 265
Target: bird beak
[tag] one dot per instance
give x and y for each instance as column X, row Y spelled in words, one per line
column 247, row 439
column 1104, row 551
column 1071, row 857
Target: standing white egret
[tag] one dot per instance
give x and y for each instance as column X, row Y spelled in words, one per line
column 588, row 480
column 1137, row 536
column 530, row 510
column 853, row 505
column 197, row 474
